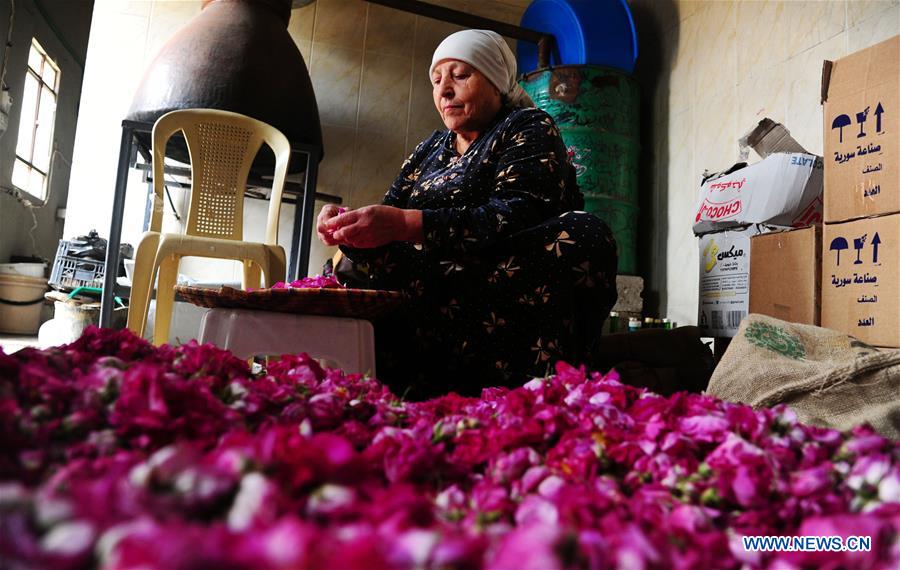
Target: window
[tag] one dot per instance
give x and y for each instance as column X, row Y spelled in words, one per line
column 35, row 142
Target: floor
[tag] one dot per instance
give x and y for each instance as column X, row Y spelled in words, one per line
column 12, row 342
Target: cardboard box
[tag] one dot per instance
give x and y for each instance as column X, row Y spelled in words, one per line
column 725, row 280
column 861, row 94
column 786, row 275
column 861, row 279
column 784, row 189
column 768, row 137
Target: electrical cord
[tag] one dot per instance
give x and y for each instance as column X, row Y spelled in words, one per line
column 19, row 196
column 30, row 206
column 9, row 33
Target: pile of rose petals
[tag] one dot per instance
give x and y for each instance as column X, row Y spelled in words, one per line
column 317, row 282
column 116, row 454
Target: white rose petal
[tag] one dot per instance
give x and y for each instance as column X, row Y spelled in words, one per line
column 69, row 538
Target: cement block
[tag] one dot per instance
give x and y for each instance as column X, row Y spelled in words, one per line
column 630, row 289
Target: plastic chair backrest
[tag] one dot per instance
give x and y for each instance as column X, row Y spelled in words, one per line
column 222, row 146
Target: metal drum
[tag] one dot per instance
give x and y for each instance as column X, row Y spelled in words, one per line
column 596, row 109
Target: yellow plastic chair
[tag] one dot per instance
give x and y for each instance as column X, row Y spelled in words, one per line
column 222, row 146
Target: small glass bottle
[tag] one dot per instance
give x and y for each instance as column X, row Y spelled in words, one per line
column 613, row 322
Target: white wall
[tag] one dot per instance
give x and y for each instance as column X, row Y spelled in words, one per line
column 125, row 36
column 725, row 66
column 16, row 220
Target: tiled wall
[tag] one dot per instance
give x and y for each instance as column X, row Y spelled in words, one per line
column 369, row 69
column 369, row 66
column 725, row 66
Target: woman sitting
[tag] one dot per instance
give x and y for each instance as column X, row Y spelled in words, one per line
column 503, row 277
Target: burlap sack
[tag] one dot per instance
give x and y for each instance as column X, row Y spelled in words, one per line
column 830, row 379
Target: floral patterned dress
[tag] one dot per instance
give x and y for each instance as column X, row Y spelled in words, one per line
column 509, row 278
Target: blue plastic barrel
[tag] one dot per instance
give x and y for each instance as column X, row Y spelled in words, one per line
column 587, row 32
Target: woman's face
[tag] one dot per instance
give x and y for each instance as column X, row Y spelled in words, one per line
column 464, row 97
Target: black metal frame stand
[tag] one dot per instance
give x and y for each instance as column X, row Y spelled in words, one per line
column 303, row 213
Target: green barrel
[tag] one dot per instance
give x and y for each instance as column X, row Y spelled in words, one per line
column 596, row 109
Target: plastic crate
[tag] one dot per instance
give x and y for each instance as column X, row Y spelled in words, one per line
column 73, row 272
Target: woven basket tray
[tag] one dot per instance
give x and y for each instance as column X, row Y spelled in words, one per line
column 353, row 303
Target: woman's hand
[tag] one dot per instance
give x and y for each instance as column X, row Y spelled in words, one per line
column 329, row 211
column 372, row 226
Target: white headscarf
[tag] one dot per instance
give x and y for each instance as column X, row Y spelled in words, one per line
column 487, row 52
